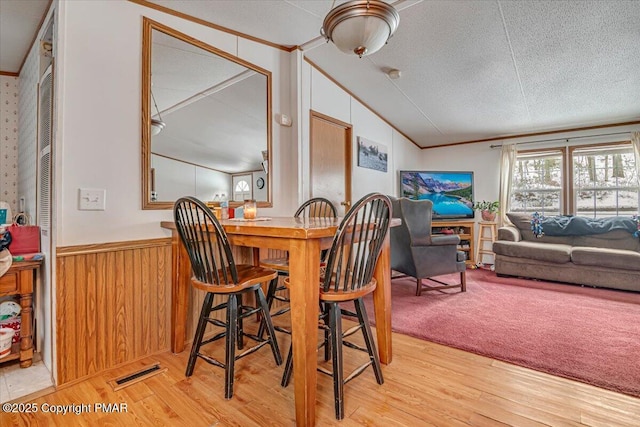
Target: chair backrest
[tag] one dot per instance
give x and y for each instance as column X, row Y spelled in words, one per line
column 417, row 216
column 205, row 241
column 316, row 207
column 357, row 244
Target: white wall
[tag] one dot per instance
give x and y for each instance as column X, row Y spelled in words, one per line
column 99, row 72
column 175, row 179
column 320, row 94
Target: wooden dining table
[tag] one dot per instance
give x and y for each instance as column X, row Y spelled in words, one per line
column 303, row 239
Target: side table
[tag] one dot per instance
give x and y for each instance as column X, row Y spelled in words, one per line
column 19, row 280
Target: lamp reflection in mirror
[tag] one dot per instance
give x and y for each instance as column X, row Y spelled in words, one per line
column 360, row 26
column 156, row 124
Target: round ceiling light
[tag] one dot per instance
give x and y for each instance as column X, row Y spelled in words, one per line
column 360, row 26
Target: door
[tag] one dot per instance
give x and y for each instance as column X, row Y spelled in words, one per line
column 241, row 187
column 330, row 163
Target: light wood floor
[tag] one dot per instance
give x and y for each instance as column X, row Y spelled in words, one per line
column 426, row 384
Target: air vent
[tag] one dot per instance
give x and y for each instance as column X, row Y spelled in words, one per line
column 137, row 376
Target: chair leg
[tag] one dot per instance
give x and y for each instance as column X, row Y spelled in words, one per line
column 335, row 324
column 271, row 291
column 463, row 280
column 230, row 355
column 327, row 332
column 288, row 367
column 197, row 338
column 266, row 318
column 368, row 339
column 240, row 332
column 419, row 287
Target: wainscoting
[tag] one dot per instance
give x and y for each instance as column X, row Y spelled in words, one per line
column 113, row 304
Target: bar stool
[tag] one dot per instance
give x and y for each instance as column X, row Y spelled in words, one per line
column 349, row 277
column 492, row 228
column 317, row 207
column 216, row 273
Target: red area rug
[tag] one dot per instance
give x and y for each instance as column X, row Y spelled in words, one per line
column 586, row 334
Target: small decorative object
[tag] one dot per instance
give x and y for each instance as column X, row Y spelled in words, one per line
column 488, row 210
column 260, row 183
column 536, row 225
column 250, row 209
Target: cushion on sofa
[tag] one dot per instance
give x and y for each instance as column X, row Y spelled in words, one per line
column 616, row 239
column 604, row 257
column 550, row 252
column 522, row 221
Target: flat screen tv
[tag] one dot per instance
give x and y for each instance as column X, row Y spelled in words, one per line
column 451, row 192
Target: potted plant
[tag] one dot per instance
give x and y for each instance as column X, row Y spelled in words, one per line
column 488, row 210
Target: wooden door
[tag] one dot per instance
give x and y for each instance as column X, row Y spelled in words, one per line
column 330, row 162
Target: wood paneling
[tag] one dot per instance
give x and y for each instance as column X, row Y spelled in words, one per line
column 113, row 305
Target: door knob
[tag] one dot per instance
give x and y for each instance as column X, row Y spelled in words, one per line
column 346, row 203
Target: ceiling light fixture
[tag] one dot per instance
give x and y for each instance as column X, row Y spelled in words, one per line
column 360, row 26
column 156, row 124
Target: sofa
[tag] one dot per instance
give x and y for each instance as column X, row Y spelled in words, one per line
column 610, row 259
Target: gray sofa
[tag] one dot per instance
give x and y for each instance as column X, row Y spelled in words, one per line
column 610, row 260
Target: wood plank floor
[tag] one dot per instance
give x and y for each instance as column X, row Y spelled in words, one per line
column 426, row 384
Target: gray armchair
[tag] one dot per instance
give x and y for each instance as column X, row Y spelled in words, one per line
column 417, row 253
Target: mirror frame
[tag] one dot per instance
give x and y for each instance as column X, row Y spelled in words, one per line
column 148, row 26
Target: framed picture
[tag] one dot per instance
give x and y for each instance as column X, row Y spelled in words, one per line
column 372, row 155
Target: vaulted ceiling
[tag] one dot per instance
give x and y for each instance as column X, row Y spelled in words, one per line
column 471, row 70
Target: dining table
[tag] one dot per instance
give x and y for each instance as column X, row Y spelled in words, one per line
column 303, row 239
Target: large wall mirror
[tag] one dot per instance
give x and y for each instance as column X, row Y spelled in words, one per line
column 205, row 122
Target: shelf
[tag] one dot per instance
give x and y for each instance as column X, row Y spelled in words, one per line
column 463, row 229
column 15, row 353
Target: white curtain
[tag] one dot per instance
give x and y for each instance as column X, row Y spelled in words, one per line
column 635, row 142
column 507, row 165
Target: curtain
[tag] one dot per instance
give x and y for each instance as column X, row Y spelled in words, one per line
column 635, row 142
column 507, row 165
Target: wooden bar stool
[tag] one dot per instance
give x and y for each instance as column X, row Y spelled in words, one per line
column 312, row 208
column 349, row 277
column 216, row 273
column 492, row 228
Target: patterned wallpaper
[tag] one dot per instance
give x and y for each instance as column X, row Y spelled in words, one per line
column 27, row 130
column 9, row 141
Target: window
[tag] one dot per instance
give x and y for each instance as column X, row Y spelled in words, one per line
column 538, row 182
column 605, row 181
column 595, row 181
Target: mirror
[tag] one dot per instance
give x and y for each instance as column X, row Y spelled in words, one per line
column 215, row 108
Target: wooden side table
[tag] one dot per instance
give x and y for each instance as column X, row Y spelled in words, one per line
column 19, row 280
column 492, row 227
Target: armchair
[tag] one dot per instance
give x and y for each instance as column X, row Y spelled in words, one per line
column 417, row 253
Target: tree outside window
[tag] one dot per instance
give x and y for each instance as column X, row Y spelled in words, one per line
column 599, row 181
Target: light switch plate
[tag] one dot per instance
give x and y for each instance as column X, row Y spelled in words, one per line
column 91, row 199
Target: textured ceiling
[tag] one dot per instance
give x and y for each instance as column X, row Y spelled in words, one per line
column 471, row 70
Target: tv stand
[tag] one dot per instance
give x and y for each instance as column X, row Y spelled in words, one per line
column 464, row 229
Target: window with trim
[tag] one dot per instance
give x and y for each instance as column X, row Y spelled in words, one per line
column 594, row 181
column 538, row 182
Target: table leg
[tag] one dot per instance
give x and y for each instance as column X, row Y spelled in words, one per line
column 179, row 292
column 26, row 316
column 382, row 303
column 304, row 273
